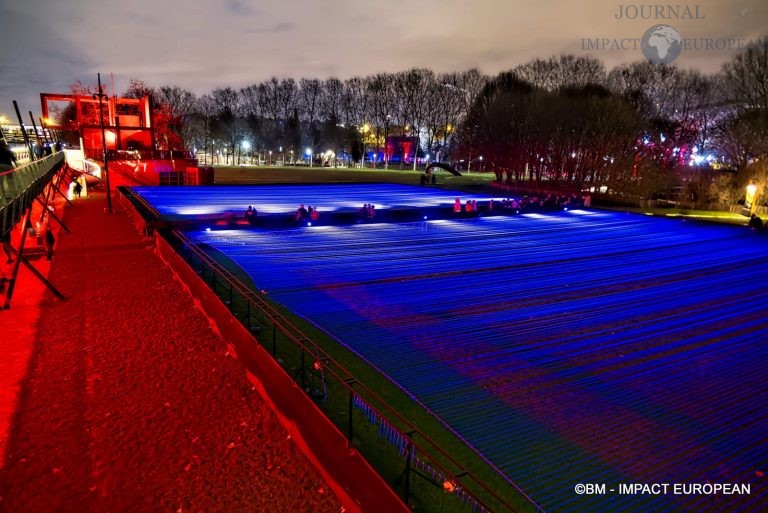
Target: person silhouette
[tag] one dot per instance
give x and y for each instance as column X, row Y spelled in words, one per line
column 49, row 242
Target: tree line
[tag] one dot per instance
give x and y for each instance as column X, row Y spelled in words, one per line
column 347, row 117
column 639, row 129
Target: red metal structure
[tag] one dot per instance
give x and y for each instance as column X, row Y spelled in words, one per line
column 129, row 136
column 127, row 121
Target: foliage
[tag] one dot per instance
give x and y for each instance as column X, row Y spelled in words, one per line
column 575, row 135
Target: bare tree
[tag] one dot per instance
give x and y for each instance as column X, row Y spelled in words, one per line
column 561, row 71
column 381, row 94
column 331, row 106
column 355, row 112
column 412, row 89
column 747, row 76
column 205, row 113
column 746, row 82
column 178, row 105
column 226, row 102
column 308, row 100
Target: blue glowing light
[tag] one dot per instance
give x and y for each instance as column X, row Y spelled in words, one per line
column 215, row 201
column 551, row 343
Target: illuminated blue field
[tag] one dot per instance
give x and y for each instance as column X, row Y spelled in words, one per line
column 569, row 348
column 284, row 199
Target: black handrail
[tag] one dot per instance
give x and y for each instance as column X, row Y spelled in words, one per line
column 19, row 187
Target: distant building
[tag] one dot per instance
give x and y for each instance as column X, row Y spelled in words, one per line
column 400, row 148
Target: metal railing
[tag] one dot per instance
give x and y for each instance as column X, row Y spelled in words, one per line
column 98, row 154
column 19, row 187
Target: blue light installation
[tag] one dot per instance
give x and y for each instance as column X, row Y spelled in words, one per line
column 577, row 347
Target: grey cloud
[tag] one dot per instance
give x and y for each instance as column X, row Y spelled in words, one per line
column 283, row 26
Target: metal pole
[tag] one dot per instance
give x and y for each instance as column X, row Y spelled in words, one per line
column 350, row 407
column 407, row 471
column 34, row 126
column 101, row 97
column 21, row 259
column 24, row 132
column 274, row 339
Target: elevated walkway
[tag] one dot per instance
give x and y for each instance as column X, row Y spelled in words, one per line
column 103, row 406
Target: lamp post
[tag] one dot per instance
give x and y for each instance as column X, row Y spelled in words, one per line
column 308, row 152
column 101, row 95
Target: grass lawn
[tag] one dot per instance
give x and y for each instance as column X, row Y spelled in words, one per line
column 472, row 182
column 255, row 175
column 699, row 215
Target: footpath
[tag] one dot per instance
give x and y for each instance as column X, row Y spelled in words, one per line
column 122, row 398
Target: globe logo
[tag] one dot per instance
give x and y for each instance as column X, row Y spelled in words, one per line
column 661, row 44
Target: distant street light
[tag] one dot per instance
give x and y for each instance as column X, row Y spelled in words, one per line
column 3, row 121
column 308, row 153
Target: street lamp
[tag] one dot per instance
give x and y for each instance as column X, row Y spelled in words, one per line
column 308, row 153
column 270, row 157
column 246, row 146
column 101, row 95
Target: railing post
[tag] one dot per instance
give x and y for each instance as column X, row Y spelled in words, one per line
column 350, row 408
column 407, row 471
column 274, row 339
column 301, row 369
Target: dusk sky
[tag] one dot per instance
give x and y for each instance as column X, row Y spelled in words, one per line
column 49, row 44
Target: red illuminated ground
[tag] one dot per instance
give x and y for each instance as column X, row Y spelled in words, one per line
column 122, row 398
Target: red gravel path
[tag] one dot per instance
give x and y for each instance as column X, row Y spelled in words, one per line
column 122, row 398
